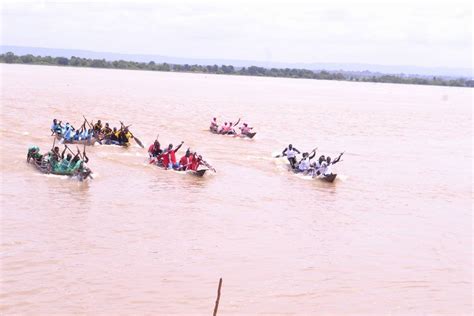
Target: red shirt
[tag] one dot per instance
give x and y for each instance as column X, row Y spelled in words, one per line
column 172, row 154
column 166, row 159
column 184, row 161
column 195, row 164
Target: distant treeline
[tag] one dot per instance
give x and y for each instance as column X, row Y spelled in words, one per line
column 11, row 58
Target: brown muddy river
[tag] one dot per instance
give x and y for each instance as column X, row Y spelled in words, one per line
column 392, row 234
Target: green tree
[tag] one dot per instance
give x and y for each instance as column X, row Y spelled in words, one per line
column 10, row 58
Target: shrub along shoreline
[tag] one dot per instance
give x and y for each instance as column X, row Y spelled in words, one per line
column 11, row 58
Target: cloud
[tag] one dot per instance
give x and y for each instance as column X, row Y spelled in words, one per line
column 385, row 32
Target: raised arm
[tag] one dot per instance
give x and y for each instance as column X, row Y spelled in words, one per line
column 338, row 158
column 62, row 154
column 179, row 146
column 312, row 156
column 76, row 155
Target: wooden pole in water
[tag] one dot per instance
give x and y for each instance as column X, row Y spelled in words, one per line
column 218, row 297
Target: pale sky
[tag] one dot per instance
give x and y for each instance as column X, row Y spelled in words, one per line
column 403, row 32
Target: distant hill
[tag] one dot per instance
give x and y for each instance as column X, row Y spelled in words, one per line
column 356, row 70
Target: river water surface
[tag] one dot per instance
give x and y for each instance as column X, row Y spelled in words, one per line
column 392, row 235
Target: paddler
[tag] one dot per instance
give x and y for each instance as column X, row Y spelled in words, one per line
column 230, row 129
column 64, row 164
column 67, row 132
column 328, row 169
column 186, row 160
column 34, row 152
column 55, row 156
column 114, row 137
column 56, row 127
column 317, row 164
column 214, row 126
column 169, row 157
column 304, row 163
column 196, row 162
column 77, row 135
column 106, row 131
column 290, row 153
column 245, row 129
column 98, row 127
column 124, row 135
column 224, row 128
column 154, row 150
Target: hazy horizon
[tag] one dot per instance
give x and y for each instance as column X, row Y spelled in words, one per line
column 345, row 67
column 415, row 33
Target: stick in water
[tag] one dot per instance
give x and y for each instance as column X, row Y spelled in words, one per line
column 218, row 297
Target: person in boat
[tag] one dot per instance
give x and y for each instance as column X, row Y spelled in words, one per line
column 326, row 164
column 106, row 131
column 98, row 127
column 113, row 138
column 124, row 136
column 56, row 127
column 290, row 153
column 169, row 157
column 87, row 134
column 196, row 162
column 64, row 164
column 77, row 135
column 34, row 152
column 304, row 164
column 315, row 165
column 67, row 132
column 224, row 128
column 77, row 158
column 245, row 129
column 214, row 127
column 54, row 155
column 327, row 170
column 155, row 149
column 186, row 160
column 231, row 130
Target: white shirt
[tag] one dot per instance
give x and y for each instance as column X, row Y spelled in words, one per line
column 322, row 169
column 328, row 169
column 290, row 153
column 304, row 165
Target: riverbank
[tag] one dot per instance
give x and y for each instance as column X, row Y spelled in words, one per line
column 11, row 58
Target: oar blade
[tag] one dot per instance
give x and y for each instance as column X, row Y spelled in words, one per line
column 138, row 142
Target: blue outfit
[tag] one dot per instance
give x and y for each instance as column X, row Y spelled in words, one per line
column 67, row 132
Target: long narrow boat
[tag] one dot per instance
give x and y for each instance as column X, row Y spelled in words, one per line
column 326, row 178
column 80, row 171
column 92, row 141
column 87, row 142
column 248, row 135
column 197, row 173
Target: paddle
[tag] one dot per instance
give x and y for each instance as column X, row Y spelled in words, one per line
column 208, row 165
column 54, row 142
column 136, row 139
column 80, row 156
column 69, row 150
column 338, row 158
column 90, row 126
column 235, row 125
